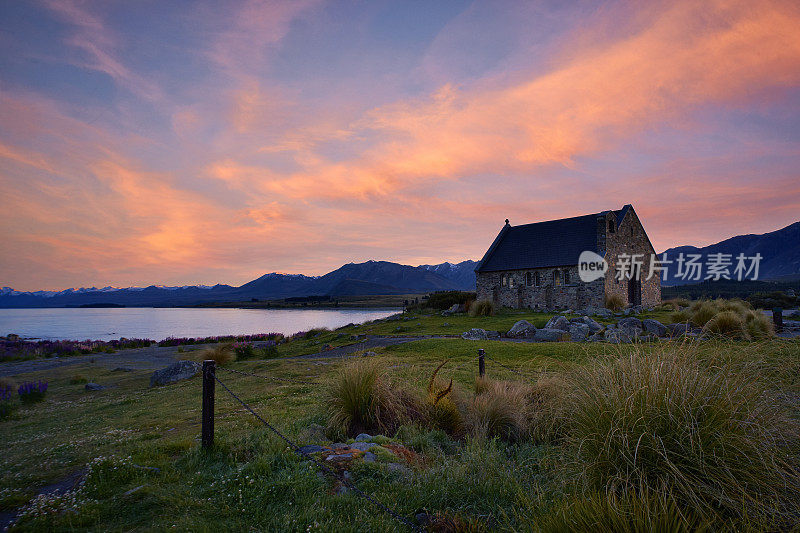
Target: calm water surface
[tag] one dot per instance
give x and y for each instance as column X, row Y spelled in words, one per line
column 160, row 323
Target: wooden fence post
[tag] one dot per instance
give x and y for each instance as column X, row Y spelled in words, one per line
column 209, row 371
column 481, row 363
column 777, row 318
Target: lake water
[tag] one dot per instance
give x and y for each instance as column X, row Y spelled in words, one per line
column 160, row 323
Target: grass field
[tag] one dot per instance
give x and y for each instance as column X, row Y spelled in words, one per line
column 139, row 446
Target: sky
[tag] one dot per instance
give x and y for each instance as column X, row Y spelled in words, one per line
column 180, row 143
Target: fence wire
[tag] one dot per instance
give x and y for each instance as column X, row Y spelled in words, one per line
column 325, row 468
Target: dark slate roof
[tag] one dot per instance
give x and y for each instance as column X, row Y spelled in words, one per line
column 544, row 244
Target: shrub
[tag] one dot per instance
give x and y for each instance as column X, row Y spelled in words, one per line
column 243, row 350
column 629, row 513
column 481, row 308
column 30, row 391
column 728, row 324
column 614, row 302
column 442, row 300
column 713, row 437
column 702, row 313
column 361, row 399
column 221, row 354
column 759, row 326
column 740, row 307
column 78, row 379
column 501, row 410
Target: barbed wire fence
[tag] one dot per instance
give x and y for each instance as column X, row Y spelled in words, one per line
column 210, row 377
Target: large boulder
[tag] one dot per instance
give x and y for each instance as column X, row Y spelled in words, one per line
column 624, row 333
column 602, row 312
column 478, row 334
column 654, row 327
column 594, row 326
column 175, row 372
column 578, row 332
column 630, row 322
column 522, row 330
column 679, row 329
column 558, row 322
column 551, row 335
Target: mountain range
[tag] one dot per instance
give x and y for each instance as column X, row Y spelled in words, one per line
column 779, row 249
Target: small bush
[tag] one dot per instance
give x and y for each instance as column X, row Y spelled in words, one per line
column 361, row 399
column 759, row 326
column 482, row 308
column 614, row 302
column 629, row 513
column 728, row 324
column 442, row 300
column 714, row 437
column 243, row 350
column 78, row 379
column 31, row 392
column 222, row 354
column 702, row 313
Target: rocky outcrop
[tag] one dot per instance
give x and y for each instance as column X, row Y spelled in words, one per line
column 175, row 372
column 654, row 327
column 578, row 332
column 558, row 322
column 522, row 330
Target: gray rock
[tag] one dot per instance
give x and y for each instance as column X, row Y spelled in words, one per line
column 676, row 330
column 551, row 335
column 654, row 327
column 475, row 334
column 597, row 337
column 362, row 446
column 558, row 322
column 622, row 334
column 339, row 446
column 177, row 371
column 522, row 329
column 312, row 448
column 363, row 437
column 630, row 322
column 93, row 386
column 369, row 354
column 339, row 457
column 369, row 457
column 452, row 310
column 578, row 332
column 594, row 326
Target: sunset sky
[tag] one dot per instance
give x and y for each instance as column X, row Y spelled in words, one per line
column 210, row 142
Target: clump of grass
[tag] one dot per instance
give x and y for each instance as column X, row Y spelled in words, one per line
column 501, row 410
column 614, row 302
column 78, row 379
column 702, row 312
column 728, row 324
column 680, row 317
column 443, row 411
column 759, row 326
column 659, row 422
column 546, row 414
column 482, row 308
column 629, row 513
column 361, row 399
column 222, row 354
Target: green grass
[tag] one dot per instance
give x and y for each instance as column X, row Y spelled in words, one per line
column 484, row 483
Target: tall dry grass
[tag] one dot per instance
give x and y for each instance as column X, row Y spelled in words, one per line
column 660, row 421
column 614, row 302
column 482, row 308
column 222, row 354
column 728, row 324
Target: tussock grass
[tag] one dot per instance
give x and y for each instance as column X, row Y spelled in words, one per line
column 728, row 324
column 659, row 421
column 759, row 326
column 482, row 308
column 614, row 302
column 702, row 312
column 629, row 513
column 501, row 410
column 222, row 354
column 680, row 317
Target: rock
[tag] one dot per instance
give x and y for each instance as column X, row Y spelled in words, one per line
column 578, row 332
column 475, row 334
column 637, row 309
column 339, row 446
column 363, row 437
column 551, row 335
column 597, row 337
column 492, row 334
column 339, row 457
column 622, row 334
column 177, row 371
column 369, row 354
column 452, row 310
column 369, row 457
column 626, row 312
column 312, row 448
column 630, row 322
column 446, row 324
column 362, row 446
column 558, row 322
column 522, row 329
column 654, row 327
column 93, row 386
column 594, row 326
column 602, row 312
column 676, row 330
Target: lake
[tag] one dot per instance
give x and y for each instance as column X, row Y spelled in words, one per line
column 160, row 323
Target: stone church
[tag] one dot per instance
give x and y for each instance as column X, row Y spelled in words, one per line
column 536, row 265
